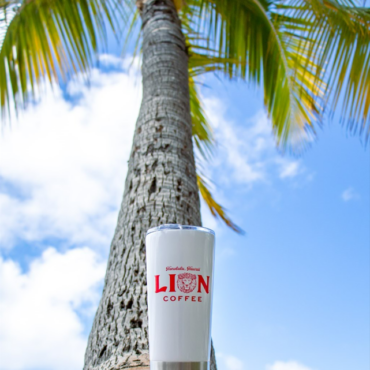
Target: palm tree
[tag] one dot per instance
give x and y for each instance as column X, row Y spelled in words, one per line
column 310, row 56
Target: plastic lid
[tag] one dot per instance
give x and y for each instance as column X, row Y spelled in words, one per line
column 179, row 227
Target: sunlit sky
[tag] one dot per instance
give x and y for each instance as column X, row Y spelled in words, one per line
column 290, row 294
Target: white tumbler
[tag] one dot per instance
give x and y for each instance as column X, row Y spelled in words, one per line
column 180, row 262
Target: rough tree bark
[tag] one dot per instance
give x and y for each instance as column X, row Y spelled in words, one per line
column 160, row 188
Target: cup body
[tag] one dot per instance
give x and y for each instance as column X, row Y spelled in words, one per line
column 180, row 263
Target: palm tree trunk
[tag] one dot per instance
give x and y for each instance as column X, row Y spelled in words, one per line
column 160, row 188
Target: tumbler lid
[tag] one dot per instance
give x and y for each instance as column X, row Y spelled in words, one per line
column 179, row 227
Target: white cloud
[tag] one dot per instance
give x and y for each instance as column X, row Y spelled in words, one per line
column 289, row 365
column 248, row 152
column 39, row 327
column 290, row 169
column 230, row 362
column 233, row 363
column 349, row 194
column 62, row 165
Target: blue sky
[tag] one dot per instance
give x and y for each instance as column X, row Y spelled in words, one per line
column 291, row 294
column 298, row 283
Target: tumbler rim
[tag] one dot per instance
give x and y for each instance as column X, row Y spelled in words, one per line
column 179, row 227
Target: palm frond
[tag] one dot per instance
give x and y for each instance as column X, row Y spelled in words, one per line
column 310, row 56
column 201, row 130
column 342, row 33
column 49, row 39
column 8, row 9
column 255, row 45
column 202, row 60
column 216, row 209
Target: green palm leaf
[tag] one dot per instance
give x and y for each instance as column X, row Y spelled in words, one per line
column 205, row 143
column 216, row 209
column 201, row 129
column 254, row 44
column 310, row 56
column 342, row 31
column 49, row 39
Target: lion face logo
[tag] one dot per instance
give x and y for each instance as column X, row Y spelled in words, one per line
column 186, row 282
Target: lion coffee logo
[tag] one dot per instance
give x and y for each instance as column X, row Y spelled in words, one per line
column 186, row 282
